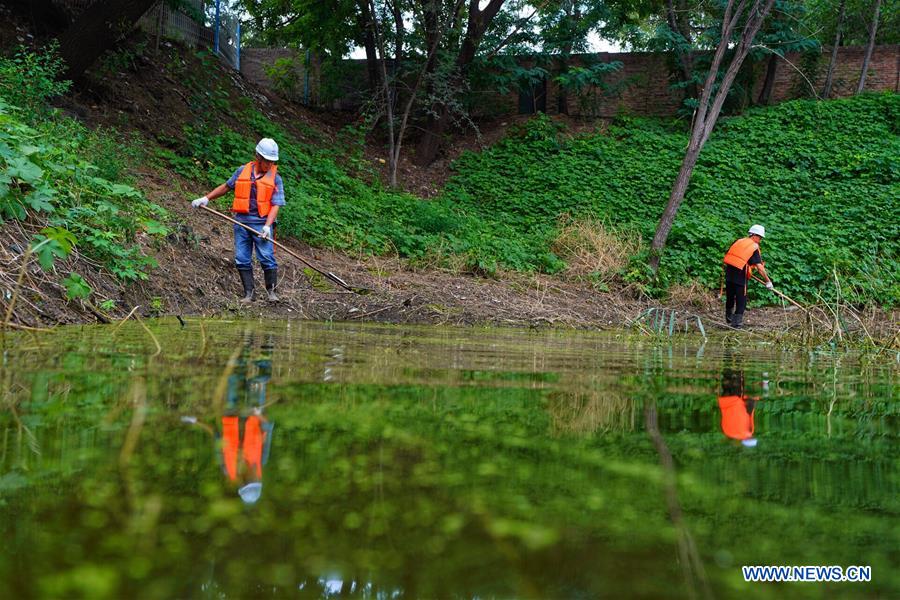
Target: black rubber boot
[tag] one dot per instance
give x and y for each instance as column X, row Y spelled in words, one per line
column 247, row 282
column 737, row 321
column 728, row 317
column 271, row 284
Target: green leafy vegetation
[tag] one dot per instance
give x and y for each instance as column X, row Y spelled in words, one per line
column 73, row 179
column 812, row 172
column 822, row 176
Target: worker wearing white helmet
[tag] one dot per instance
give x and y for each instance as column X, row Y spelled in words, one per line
column 740, row 261
column 258, row 194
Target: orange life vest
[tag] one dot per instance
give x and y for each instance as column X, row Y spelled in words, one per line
column 254, row 439
column 737, row 423
column 740, row 253
column 265, row 187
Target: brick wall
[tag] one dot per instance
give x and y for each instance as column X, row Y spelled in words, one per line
column 255, row 61
column 643, row 84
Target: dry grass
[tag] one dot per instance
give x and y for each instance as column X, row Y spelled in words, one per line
column 592, row 248
column 695, row 295
column 591, row 411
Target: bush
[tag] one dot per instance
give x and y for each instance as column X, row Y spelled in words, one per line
column 28, row 80
column 46, row 171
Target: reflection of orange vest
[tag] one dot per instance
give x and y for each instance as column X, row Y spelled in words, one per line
column 736, row 422
column 740, row 253
column 265, row 187
column 254, row 438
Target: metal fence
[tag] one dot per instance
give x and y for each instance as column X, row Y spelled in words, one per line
column 224, row 37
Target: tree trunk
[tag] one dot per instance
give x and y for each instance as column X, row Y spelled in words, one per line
column 873, row 29
column 765, row 95
column 685, row 57
column 96, row 31
column 562, row 100
column 478, row 22
column 707, row 113
column 365, row 22
column 829, row 78
column 675, row 199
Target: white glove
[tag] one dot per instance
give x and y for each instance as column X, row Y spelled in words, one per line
column 769, row 285
column 266, row 232
column 200, row 202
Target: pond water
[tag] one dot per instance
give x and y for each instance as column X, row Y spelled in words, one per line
column 296, row 459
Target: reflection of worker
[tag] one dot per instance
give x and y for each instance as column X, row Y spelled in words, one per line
column 737, row 407
column 245, row 439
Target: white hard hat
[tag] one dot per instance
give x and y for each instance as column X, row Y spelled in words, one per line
column 251, row 492
column 268, row 149
column 755, row 230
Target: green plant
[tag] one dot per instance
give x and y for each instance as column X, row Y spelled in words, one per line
column 56, row 169
column 108, row 305
column 157, row 306
column 285, row 77
column 122, row 59
column 76, row 287
column 29, row 79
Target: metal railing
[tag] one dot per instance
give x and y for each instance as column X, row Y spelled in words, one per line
column 224, row 37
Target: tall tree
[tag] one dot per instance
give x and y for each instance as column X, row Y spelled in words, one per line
column 710, row 104
column 438, row 26
column 781, row 34
column 97, row 30
column 829, row 77
column 478, row 20
column 873, row 30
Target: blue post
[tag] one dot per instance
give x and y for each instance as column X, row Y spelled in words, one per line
column 238, row 47
column 216, row 30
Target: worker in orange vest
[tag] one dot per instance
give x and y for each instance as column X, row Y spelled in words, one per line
column 737, row 407
column 741, row 259
column 258, row 194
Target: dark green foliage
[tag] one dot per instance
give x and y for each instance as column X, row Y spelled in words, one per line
column 28, row 80
column 53, row 166
column 821, row 176
column 813, row 173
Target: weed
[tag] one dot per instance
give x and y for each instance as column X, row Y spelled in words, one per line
column 594, row 250
column 55, row 168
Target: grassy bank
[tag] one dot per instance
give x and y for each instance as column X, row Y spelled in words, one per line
column 822, row 176
column 66, row 184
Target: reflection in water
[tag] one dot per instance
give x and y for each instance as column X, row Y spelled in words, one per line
column 427, row 462
column 736, row 406
column 245, row 438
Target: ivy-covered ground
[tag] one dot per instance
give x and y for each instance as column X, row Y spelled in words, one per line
column 823, row 177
